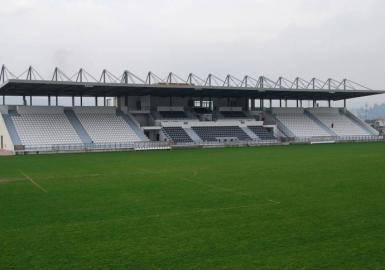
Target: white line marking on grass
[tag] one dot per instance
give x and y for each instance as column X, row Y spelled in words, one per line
column 33, row 182
column 273, row 201
column 11, row 180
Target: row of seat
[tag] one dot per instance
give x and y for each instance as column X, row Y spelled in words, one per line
column 339, row 122
column 213, row 133
column 262, row 132
column 298, row 123
column 177, row 134
column 44, row 129
column 107, row 128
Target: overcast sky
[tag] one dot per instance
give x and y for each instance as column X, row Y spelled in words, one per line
column 306, row 38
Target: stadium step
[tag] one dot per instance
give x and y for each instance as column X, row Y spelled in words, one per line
column 319, row 123
column 82, row 133
column 133, row 125
column 11, row 129
column 193, row 135
column 250, row 133
column 360, row 123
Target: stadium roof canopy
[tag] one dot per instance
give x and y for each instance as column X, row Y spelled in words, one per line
column 30, row 83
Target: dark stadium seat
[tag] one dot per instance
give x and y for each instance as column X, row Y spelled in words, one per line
column 177, row 134
column 211, row 134
column 262, row 133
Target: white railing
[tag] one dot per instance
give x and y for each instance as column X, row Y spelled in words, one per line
column 366, row 138
column 137, row 146
column 92, row 147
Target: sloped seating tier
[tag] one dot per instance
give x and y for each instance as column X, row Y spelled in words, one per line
column 212, row 133
column 44, row 126
column 298, row 123
column 338, row 122
column 262, row 132
column 104, row 126
column 177, row 134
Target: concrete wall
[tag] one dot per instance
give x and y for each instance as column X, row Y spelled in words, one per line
column 7, row 141
column 154, row 102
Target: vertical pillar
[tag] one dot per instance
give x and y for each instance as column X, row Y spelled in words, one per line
column 261, row 103
column 300, row 102
column 24, row 101
column 104, row 101
column 280, row 103
column 30, row 100
column 246, row 104
column 96, row 101
column 81, row 101
column 49, row 100
column 270, row 103
column 345, row 103
column 126, row 101
column 3, row 99
column 73, row 101
column 57, row 100
column 329, row 103
column 297, row 103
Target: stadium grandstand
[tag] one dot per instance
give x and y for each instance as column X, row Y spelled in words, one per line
column 156, row 113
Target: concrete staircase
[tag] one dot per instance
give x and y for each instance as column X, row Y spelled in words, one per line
column 319, row 123
column 193, row 135
column 75, row 122
column 11, row 128
column 133, row 124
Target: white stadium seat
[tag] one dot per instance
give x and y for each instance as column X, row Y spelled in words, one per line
column 298, row 123
column 44, row 126
column 104, row 126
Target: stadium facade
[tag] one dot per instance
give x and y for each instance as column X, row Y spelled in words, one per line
column 155, row 113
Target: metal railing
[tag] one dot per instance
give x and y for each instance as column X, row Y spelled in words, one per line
column 366, row 138
column 151, row 145
column 92, row 147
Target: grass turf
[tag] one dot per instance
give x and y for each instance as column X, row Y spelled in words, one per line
column 297, row 207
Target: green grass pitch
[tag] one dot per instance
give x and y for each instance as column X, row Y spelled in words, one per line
column 286, row 207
